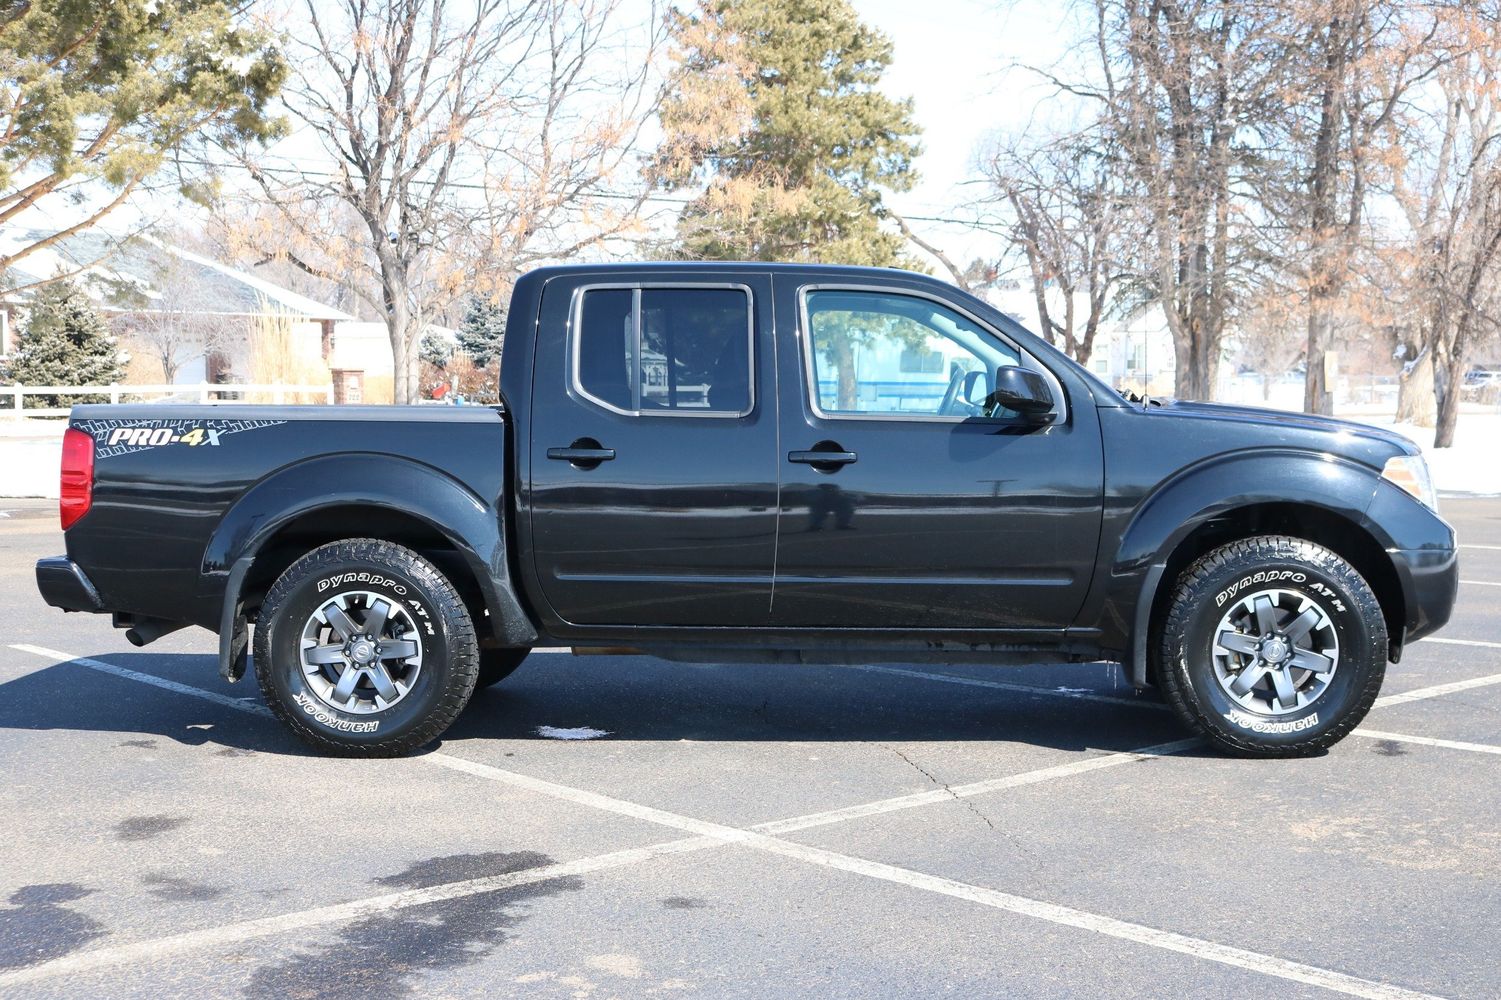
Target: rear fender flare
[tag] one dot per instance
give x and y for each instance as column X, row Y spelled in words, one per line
column 472, row 526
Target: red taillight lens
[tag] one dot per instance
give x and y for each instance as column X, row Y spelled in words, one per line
column 77, row 491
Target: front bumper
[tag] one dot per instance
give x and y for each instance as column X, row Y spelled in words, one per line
column 64, row 585
column 1430, row 578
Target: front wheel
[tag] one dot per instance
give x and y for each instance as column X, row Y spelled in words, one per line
column 364, row 649
column 1272, row 647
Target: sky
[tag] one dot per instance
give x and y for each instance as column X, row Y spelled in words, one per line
column 958, row 62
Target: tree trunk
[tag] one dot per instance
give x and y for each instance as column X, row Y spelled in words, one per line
column 844, row 367
column 398, row 323
column 1317, row 396
column 1449, row 381
column 1415, row 399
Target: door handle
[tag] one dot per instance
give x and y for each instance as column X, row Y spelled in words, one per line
column 585, row 453
column 825, row 456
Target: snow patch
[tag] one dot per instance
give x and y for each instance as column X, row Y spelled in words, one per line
column 581, row 733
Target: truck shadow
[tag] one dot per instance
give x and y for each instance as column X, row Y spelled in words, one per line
column 628, row 697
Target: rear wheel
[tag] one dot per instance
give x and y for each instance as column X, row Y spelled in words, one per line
column 1272, row 647
column 495, row 665
column 364, row 649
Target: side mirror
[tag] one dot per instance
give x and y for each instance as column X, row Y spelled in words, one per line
column 1024, row 391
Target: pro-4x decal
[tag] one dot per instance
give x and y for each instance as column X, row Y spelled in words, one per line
column 121, row 436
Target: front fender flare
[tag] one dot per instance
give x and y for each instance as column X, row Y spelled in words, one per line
column 1212, row 489
column 473, row 527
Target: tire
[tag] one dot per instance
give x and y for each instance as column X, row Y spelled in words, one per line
column 1236, row 674
column 495, row 665
column 311, row 633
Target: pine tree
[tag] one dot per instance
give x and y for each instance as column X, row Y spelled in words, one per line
column 773, row 108
column 483, row 330
column 435, row 350
column 65, row 342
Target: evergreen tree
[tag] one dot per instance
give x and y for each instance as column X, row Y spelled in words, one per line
column 773, row 109
column 435, row 350
column 65, row 342
column 483, row 330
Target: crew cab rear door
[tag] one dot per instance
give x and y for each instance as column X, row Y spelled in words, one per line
column 902, row 506
column 653, row 470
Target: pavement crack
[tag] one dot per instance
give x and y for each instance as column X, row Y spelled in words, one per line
column 941, row 784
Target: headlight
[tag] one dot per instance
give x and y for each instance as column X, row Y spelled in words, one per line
column 1410, row 473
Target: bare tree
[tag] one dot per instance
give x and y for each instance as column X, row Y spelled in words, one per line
column 1068, row 219
column 1450, row 191
column 1350, row 65
column 174, row 317
column 468, row 141
column 1184, row 87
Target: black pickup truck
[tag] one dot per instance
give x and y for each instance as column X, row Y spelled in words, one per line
column 752, row 462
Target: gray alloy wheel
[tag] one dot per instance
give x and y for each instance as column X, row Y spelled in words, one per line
column 361, row 652
column 1275, row 651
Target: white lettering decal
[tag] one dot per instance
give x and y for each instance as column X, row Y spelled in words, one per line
column 1256, row 725
column 312, row 708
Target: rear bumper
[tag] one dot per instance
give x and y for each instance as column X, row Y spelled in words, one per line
column 64, row 585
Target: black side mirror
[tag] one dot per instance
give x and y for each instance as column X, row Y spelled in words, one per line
column 1024, row 391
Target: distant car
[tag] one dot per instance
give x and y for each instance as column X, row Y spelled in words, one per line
column 1479, row 378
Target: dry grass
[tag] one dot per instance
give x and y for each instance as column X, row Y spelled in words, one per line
column 279, row 353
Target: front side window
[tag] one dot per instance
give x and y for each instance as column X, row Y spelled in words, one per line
column 665, row 350
column 886, row 354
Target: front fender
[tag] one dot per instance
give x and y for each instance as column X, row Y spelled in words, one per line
column 1211, row 489
column 473, row 527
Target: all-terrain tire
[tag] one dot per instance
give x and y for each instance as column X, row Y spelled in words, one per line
column 423, row 610
column 1195, row 672
column 495, row 665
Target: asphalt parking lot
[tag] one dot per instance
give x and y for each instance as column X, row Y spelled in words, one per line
column 741, row 831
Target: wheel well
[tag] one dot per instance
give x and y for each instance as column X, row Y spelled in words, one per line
column 302, row 534
column 1315, row 524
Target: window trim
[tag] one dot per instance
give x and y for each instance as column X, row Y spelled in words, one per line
column 575, row 318
column 1026, row 358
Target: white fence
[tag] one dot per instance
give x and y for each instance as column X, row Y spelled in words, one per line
column 12, row 397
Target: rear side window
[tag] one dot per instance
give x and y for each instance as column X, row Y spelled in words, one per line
column 674, row 351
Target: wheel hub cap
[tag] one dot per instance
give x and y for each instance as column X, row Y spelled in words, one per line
column 361, row 652
column 1275, row 651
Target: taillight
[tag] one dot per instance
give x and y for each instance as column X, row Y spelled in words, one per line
column 77, row 488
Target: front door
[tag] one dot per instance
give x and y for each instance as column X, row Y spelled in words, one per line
column 654, row 450
column 903, row 504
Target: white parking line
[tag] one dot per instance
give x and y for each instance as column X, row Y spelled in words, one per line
column 1429, row 741
column 1461, row 642
column 1003, row 685
column 1436, row 691
column 154, row 681
column 231, row 935
column 1480, row 583
column 1051, row 912
column 1385, row 701
column 1493, row 548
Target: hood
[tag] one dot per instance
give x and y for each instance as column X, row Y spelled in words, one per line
column 1284, row 418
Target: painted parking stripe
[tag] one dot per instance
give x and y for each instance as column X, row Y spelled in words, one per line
column 1436, row 691
column 937, row 795
column 135, row 675
column 1028, row 689
column 1385, row 701
column 1445, row 641
column 1493, row 548
column 1480, row 583
column 232, row 935
column 1429, row 741
column 1051, row 912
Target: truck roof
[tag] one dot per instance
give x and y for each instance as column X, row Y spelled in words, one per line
column 718, row 266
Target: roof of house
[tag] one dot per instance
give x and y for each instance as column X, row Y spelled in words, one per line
column 136, row 262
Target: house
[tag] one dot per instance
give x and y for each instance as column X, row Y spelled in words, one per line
column 197, row 313
column 1132, row 352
